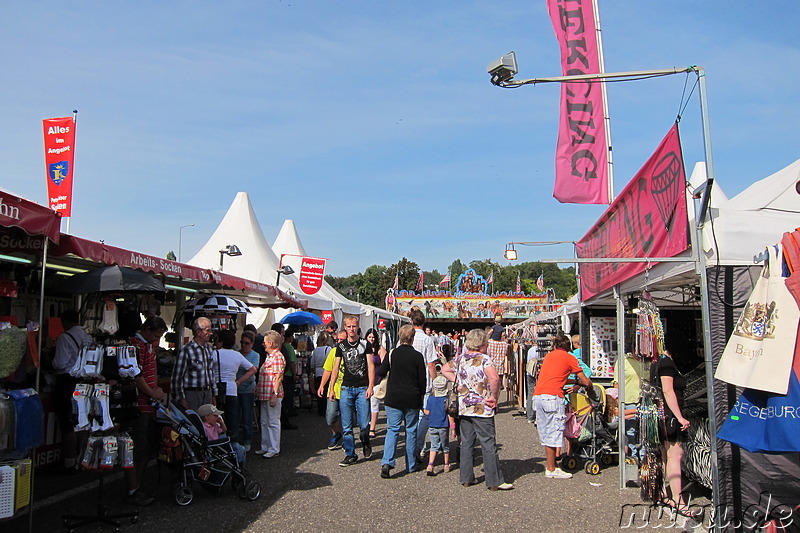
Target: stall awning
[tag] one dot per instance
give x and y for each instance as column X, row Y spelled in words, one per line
column 264, row 295
column 32, row 218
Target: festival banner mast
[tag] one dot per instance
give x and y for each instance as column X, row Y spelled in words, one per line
column 59, row 162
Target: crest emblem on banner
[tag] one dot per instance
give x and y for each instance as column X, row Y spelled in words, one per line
column 58, row 171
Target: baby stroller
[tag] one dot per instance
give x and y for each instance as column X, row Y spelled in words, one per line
column 196, row 459
column 596, row 444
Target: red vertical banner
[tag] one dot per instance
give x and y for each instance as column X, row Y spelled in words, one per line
column 327, row 316
column 581, row 150
column 312, row 273
column 59, row 162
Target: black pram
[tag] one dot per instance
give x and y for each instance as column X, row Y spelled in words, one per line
column 196, row 459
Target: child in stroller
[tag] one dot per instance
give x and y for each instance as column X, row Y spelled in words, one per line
column 196, row 458
column 594, row 440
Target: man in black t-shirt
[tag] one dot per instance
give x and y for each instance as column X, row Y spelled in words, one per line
column 359, row 375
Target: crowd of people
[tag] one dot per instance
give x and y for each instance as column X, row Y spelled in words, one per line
column 440, row 394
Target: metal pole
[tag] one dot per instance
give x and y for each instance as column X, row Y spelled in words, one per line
column 622, row 440
column 601, row 76
column 606, row 116
column 704, row 304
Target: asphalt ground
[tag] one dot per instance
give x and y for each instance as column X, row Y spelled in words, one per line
column 304, row 490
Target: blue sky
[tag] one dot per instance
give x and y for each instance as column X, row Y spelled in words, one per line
column 372, row 124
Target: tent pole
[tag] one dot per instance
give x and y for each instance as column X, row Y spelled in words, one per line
column 38, row 369
column 623, row 479
column 704, row 304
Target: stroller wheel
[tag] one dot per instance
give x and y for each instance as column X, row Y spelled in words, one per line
column 606, row 460
column 593, row 468
column 569, row 462
column 183, row 495
column 249, row 491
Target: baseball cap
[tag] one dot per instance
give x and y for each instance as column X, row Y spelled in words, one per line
column 440, row 386
column 208, row 409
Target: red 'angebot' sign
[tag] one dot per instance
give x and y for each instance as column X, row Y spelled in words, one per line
column 312, row 272
column 648, row 219
column 59, row 162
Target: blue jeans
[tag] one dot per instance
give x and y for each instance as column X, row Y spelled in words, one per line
column 246, row 405
column 394, row 417
column 422, row 428
column 353, row 402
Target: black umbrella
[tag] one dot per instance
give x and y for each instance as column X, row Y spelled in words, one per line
column 113, row 279
column 216, row 303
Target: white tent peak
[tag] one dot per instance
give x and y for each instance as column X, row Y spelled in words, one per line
column 777, row 192
column 288, row 240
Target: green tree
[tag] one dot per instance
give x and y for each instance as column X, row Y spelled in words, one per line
column 373, row 285
column 407, row 273
column 456, row 268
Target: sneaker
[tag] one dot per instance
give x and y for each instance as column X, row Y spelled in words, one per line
column 386, row 471
column 140, row 499
column 336, row 442
column 505, row 486
column 247, row 447
column 270, row 455
column 348, row 460
column 557, row 474
column 367, row 450
column 261, row 452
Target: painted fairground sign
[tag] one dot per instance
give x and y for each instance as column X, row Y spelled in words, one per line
column 470, row 298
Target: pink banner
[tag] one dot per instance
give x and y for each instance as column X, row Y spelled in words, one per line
column 581, row 151
column 648, row 219
column 59, row 160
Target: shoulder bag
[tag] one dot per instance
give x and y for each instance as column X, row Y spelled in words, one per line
column 222, row 387
column 379, row 390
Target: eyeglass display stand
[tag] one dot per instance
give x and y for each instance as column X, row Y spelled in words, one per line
column 73, row 522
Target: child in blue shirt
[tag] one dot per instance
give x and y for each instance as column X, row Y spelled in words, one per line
column 439, row 424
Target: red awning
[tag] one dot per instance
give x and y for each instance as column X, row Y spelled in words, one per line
column 111, row 255
column 32, row 218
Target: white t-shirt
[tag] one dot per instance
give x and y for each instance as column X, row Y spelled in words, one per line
column 318, row 357
column 230, row 361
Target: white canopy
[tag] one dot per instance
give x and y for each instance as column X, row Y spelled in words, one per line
column 754, row 219
column 258, row 262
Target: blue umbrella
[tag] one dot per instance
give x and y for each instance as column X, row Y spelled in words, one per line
column 301, row 318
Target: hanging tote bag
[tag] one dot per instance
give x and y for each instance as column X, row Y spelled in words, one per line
column 760, row 350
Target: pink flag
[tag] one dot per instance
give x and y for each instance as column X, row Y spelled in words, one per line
column 396, row 285
column 445, row 280
column 540, row 283
column 419, row 282
column 648, row 219
column 581, row 151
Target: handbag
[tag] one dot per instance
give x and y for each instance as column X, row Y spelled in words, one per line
column 222, row 387
column 759, row 353
column 572, row 428
column 379, row 390
column 451, row 400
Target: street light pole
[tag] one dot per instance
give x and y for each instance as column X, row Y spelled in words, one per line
column 180, row 239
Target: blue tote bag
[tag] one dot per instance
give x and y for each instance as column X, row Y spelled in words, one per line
column 764, row 422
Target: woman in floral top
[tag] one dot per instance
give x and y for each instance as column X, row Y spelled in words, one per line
column 478, row 388
column 269, row 391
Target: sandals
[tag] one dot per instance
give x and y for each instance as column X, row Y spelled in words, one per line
column 372, row 434
column 448, row 467
column 429, row 471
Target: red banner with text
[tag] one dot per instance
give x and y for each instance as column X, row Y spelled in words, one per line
column 648, row 219
column 59, row 161
column 581, row 151
column 312, row 272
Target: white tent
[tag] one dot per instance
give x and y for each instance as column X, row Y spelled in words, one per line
column 288, row 245
column 754, row 219
column 258, row 262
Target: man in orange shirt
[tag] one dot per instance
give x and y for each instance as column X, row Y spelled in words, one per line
column 548, row 399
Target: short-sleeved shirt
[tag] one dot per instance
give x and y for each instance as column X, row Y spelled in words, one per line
column 328, row 366
column 230, row 361
column 498, row 351
column 268, row 374
column 424, row 345
column 146, row 357
column 354, row 363
column 437, row 417
column 213, row 431
column 556, row 368
column 248, row 386
column 473, row 384
column 634, row 373
column 666, row 367
column 68, row 347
